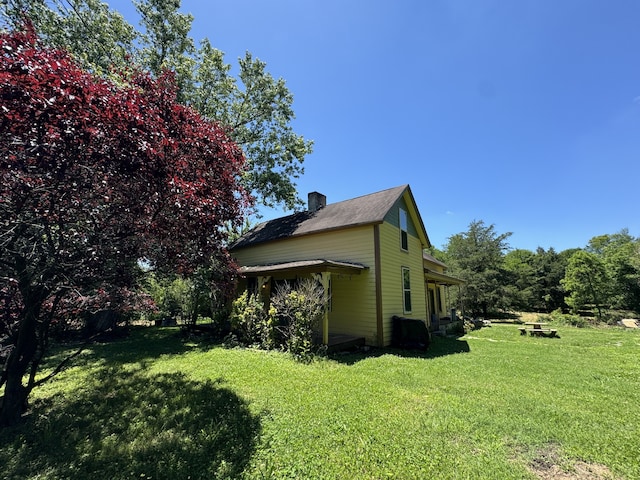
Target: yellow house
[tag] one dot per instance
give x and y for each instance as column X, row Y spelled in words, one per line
column 367, row 252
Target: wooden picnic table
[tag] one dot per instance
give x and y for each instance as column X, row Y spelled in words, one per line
column 537, row 328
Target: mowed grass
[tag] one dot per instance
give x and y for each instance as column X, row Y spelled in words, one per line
column 491, row 404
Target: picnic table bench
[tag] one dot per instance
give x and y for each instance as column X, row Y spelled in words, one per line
column 536, row 328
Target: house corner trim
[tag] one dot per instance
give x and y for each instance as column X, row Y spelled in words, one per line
column 378, row 273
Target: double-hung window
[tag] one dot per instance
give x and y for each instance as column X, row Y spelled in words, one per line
column 406, row 289
column 404, row 237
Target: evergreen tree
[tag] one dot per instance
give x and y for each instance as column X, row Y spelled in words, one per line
column 477, row 257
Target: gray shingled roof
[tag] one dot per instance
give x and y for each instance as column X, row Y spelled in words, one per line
column 319, row 265
column 433, row 259
column 365, row 210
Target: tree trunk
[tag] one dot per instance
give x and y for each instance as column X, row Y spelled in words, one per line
column 15, row 393
column 596, row 298
column 14, row 402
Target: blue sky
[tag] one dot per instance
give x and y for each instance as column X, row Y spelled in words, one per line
column 523, row 114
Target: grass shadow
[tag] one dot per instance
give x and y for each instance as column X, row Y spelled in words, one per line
column 439, row 347
column 139, row 345
column 124, row 424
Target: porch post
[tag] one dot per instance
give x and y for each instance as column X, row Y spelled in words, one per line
column 264, row 288
column 262, row 281
column 426, row 302
column 325, row 276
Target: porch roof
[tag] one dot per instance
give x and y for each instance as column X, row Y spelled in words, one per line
column 441, row 278
column 304, row 266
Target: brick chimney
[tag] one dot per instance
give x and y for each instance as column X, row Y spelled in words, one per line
column 316, row 201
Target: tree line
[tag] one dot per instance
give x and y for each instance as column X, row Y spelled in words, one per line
column 602, row 276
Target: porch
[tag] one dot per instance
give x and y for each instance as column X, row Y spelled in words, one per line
column 442, row 314
column 320, row 269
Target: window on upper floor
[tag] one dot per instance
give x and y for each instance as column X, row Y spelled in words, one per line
column 404, row 236
column 406, row 289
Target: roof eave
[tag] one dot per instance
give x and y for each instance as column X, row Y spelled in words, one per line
column 304, row 267
column 441, row 278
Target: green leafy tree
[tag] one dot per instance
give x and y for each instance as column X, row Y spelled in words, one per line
column 586, row 281
column 165, row 42
column 99, row 38
column 258, row 113
column 533, row 282
column 521, row 291
column 617, row 252
column 477, row 256
column 254, row 107
column 634, row 260
column 550, row 268
column 205, row 293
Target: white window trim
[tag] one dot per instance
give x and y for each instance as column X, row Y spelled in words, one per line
column 405, row 290
column 404, row 230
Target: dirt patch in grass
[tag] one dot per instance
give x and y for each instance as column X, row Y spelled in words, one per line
column 548, row 464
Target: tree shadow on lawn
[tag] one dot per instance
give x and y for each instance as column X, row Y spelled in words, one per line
column 124, row 424
column 138, row 345
column 144, row 343
column 439, row 347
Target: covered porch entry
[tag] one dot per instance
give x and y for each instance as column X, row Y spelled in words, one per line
column 441, row 311
column 322, row 270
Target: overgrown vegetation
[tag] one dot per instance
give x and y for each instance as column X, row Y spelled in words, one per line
column 574, row 320
column 491, row 404
column 291, row 322
column 251, row 322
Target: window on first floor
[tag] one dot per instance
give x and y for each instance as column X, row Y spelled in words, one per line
column 406, row 289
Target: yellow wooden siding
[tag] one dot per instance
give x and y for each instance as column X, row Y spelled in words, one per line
column 433, row 266
column 393, row 258
column 349, row 245
column 354, row 305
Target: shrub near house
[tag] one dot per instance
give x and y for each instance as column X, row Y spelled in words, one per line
column 291, row 322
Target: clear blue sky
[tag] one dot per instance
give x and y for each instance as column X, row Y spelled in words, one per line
column 524, row 114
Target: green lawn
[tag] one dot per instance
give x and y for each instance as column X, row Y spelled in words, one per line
column 491, row 404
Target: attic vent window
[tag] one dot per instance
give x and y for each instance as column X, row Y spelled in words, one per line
column 404, row 238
